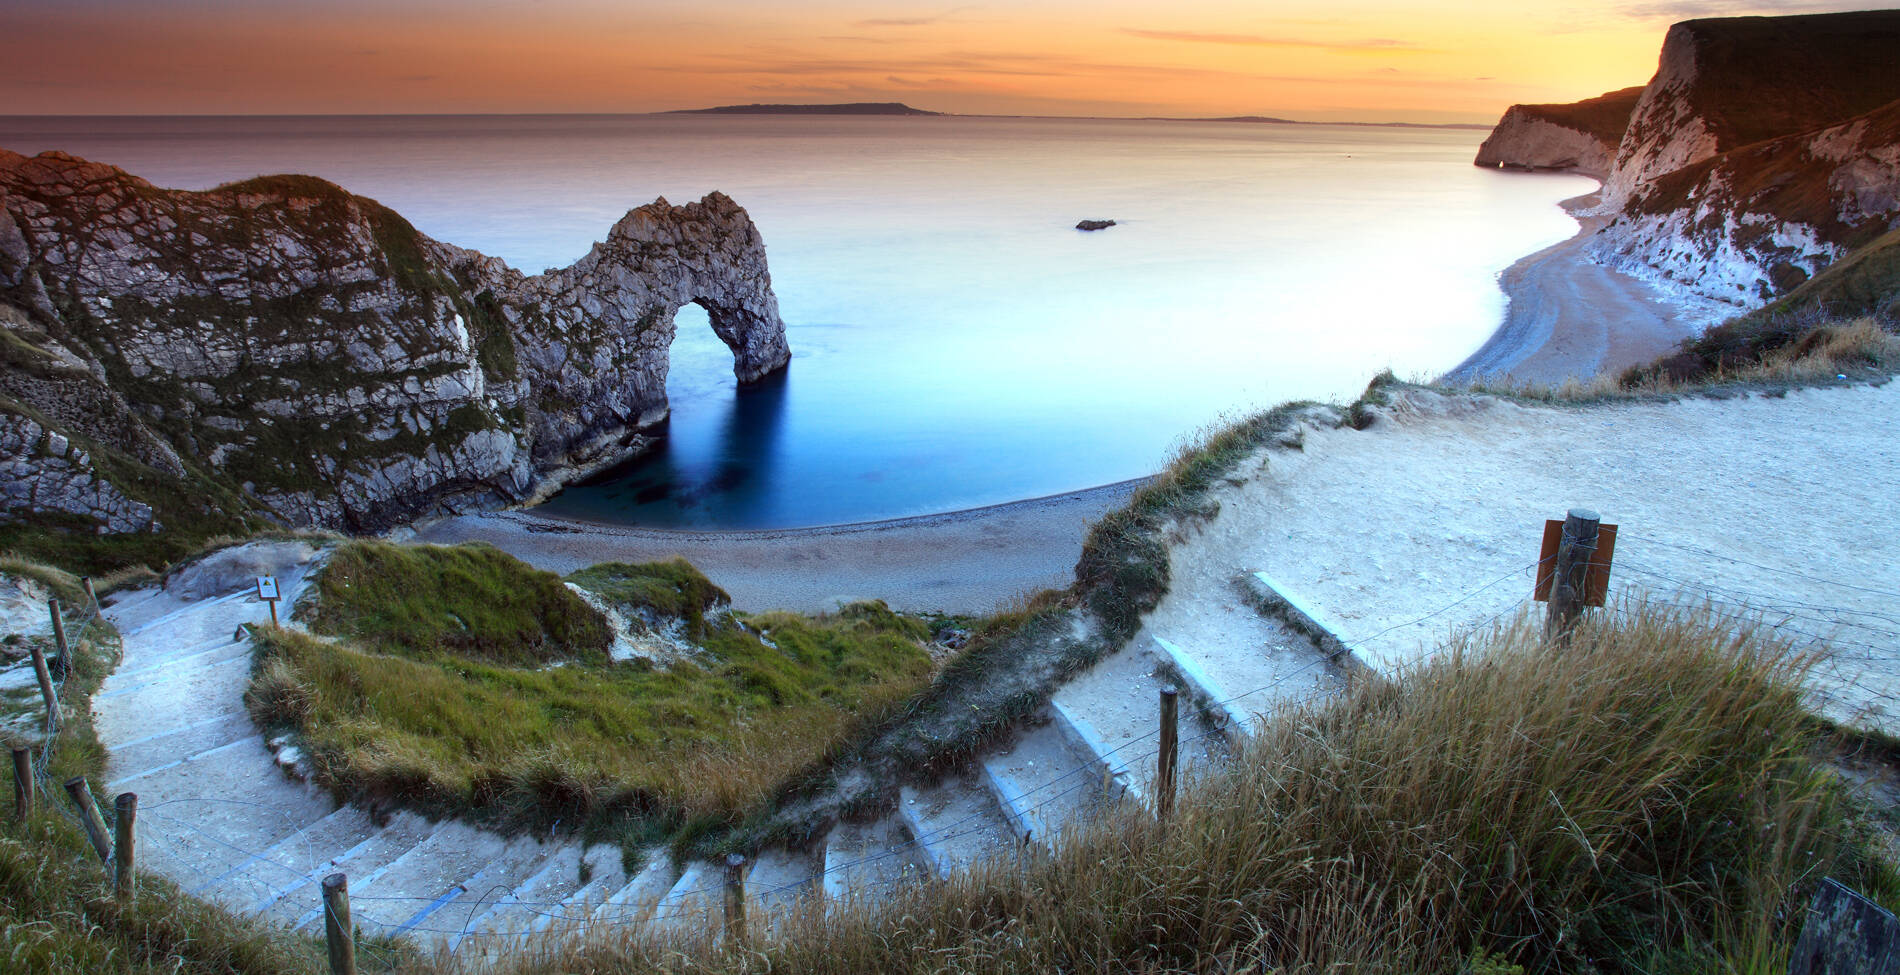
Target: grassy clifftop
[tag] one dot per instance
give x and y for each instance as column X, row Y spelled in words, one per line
column 1759, row 78
column 1605, row 116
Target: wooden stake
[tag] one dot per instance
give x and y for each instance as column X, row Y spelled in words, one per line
column 91, row 594
column 1572, row 569
column 89, row 817
column 735, row 899
column 124, row 846
column 46, row 679
column 1170, row 753
column 59, row 631
column 22, row 783
column 273, row 612
column 337, row 932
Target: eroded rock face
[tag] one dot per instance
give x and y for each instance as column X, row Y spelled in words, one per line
column 1580, row 137
column 1762, row 151
column 42, row 473
column 1747, row 225
column 333, row 366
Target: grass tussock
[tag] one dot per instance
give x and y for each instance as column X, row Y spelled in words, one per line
column 423, row 715
column 58, row 917
column 1647, row 800
column 472, row 602
column 1748, row 352
column 657, row 591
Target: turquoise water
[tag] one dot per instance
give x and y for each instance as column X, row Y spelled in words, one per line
column 956, row 343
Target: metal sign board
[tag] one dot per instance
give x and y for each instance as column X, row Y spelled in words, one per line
column 1596, row 583
column 267, row 588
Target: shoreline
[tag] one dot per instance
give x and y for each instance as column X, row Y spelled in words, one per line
column 1565, row 317
column 1568, row 317
column 961, row 562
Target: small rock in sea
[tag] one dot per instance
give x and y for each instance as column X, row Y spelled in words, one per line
column 1095, row 225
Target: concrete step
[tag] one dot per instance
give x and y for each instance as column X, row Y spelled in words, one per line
column 165, row 747
column 435, row 889
column 636, row 900
column 956, row 824
column 297, row 861
column 863, row 861
column 539, row 896
column 696, row 899
column 201, row 691
column 1201, row 689
column 364, row 860
column 166, row 660
column 1042, row 785
column 779, row 883
column 204, row 817
column 605, row 877
column 1119, row 768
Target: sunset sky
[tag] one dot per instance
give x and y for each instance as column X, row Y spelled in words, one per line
column 1306, row 59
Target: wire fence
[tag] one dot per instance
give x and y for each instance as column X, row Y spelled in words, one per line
column 1808, row 619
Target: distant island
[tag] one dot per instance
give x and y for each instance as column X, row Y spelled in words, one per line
column 852, row 108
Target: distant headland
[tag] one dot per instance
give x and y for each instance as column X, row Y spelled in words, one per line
column 851, row 108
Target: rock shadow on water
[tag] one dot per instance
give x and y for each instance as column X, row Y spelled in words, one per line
column 680, row 484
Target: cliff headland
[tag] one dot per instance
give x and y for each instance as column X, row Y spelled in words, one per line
column 1764, row 150
column 283, row 350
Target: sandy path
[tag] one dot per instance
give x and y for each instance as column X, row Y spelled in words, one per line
column 1567, row 316
column 1393, row 534
column 961, row 562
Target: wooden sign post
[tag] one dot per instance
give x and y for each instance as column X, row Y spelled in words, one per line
column 1573, row 568
column 267, row 591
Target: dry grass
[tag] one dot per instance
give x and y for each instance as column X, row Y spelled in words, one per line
column 1813, row 354
column 1647, row 801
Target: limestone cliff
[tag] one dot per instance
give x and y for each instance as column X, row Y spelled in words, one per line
column 1762, row 151
column 1729, row 82
column 284, row 348
column 1747, row 225
column 1580, row 137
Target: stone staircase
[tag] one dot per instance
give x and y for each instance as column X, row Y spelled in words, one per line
column 219, row 816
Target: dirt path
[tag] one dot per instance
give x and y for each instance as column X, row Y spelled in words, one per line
column 1567, row 316
column 1778, row 507
column 960, row 562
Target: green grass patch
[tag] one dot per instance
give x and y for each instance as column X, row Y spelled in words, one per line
column 471, row 602
column 654, row 591
column 518, row 727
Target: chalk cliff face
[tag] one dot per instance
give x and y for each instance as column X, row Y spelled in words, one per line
column 1580, row 137
column 1762, row 151
column 1747, row 225
column 282, row 347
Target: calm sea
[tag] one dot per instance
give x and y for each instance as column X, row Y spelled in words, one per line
column 956, row 343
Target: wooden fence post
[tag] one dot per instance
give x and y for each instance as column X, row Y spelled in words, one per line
column 1571, row 572
column 89, row 817
column 47, row 693
column 91, row 593
column 337, row 932
column 1170, row 753
column 735, row 899
column 124, row 846
column 22, row 783
column 59, row 632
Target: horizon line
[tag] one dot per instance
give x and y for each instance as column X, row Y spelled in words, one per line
column 1239, row 119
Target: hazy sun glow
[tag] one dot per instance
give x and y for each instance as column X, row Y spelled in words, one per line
column 1304, row 59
